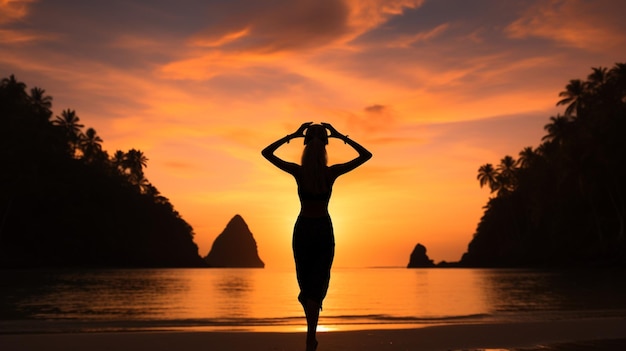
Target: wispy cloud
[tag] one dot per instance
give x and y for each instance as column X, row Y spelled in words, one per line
column 12, row 36
column 593, row 26
column 14, row 10
column 406, row 41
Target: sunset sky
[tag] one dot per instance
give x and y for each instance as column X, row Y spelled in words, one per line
column 434, row 89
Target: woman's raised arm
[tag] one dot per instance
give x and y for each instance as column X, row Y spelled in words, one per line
column 268, row 152
column 364, row 154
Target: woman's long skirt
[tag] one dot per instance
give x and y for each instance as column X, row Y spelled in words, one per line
column 313, row 249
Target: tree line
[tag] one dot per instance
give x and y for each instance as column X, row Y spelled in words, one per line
column 64, row 201
column 562, row 203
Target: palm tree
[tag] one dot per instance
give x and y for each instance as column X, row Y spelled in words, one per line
column 619, row 70
column 90, row 145
column 487, row 175
column 42, row 102
column 12, row 82
column 13, row 91
column 68, row 121
column 573, row 96
column 118, row 161
column 526, row 157
column 134, row 162
column 558, row 129
column 617, row 78
column 507, row 174
column 135, row 159
column 14, row 86
column 597, row 78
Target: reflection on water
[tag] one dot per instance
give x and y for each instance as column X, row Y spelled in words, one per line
column 99, row 294
column 256, row 297
column 567, row 290
column 402, row 293
column 233, row 293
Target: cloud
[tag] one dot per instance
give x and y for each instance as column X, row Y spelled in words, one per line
column 406, row 41
column 13, row 13
column 593, row 26
column 374, row 120
column 14, row 10
column 287, row 25
column 11, row 36
column 366, row 15
column 378, row 109
column 273, row 26
column 275, row 32
column 219, row 40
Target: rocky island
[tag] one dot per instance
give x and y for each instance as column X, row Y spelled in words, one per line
column 419, row 258
column 235, row 247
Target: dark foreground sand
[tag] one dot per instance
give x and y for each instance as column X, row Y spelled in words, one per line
column 576, row 335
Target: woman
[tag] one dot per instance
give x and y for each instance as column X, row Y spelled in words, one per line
column 313, row 238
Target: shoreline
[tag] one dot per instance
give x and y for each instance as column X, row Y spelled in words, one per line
column 583, row 334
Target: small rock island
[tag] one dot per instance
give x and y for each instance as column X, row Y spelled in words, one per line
column 235, row 247
column 419, row 258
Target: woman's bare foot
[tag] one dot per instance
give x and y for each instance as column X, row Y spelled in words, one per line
column 311, row 346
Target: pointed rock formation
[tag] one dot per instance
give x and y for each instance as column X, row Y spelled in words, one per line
column 235, row 247
column 419, row 258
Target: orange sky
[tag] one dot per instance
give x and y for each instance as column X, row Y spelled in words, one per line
column 433, row 89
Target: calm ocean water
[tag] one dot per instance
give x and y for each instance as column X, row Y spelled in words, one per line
column 265, row 299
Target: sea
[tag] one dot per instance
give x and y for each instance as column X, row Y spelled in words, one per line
column 71, row 300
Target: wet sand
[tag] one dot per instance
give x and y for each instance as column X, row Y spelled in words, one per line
column 573, row 335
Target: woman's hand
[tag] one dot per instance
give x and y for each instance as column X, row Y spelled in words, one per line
column 300, row 132
column 333, row 132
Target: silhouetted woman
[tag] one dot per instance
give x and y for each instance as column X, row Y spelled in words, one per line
column 313, row 238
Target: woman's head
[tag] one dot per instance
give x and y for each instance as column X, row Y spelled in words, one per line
column 315, row 159
column 314, row 153
column 316, row 131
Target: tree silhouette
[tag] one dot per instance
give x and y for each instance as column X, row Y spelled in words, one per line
column 64, row 203
column 527, row 157
column 41, row 102
column 617, row 81
column 14, row 90
column 564, row 202
column 487, row 175
column 118, row 161
column 68, row 122
column 572, row 96
column 506, row 175
column 134, row 162
column 597, row 79
column 90, row 145
column 558, row 129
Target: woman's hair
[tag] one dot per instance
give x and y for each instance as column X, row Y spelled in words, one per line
column 315, row 160
column 316, row 131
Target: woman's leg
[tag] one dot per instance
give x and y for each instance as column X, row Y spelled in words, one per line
column 313, row 245
column 312, row 313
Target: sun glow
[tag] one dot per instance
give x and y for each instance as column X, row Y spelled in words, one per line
column 202, row 89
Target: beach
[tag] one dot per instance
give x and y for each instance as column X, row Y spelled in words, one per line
column 367, row 309
column 565, row 335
